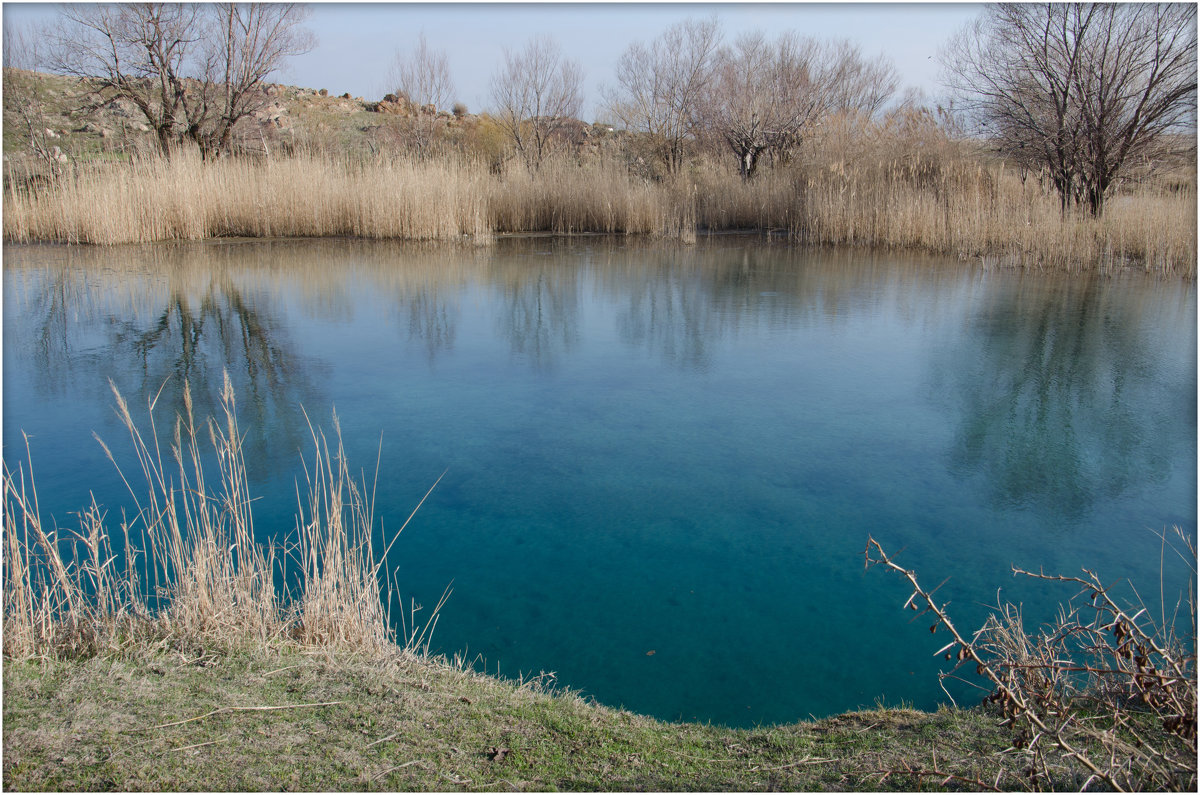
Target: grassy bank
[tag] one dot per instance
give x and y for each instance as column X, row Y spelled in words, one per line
column 316, row 165
column 943, row 202
column 181, row 719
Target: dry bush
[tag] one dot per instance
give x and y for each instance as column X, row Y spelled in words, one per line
column 1104, row 695
column 186, row 567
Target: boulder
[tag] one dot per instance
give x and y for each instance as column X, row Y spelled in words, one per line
column 122, row 108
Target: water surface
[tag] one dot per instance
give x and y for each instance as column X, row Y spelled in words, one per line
column 652, row 448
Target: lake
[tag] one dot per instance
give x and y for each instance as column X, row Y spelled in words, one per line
column 662, row 462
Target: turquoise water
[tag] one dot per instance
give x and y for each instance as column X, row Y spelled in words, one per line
column 653, row 448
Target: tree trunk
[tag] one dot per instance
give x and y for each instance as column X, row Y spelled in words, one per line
column 748, row 161
column 1095, row 199
column 164, row 139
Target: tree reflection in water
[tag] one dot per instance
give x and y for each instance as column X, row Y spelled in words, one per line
column 540, row 315
column 164, row 317
column 1044, row 384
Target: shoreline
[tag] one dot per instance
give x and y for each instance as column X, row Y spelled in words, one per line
column 987, row 262
column 178, row 718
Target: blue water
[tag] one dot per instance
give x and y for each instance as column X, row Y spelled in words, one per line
column 652, row 448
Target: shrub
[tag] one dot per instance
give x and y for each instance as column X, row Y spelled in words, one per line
column 1101, row 695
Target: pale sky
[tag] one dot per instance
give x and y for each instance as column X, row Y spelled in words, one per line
column 357, row 42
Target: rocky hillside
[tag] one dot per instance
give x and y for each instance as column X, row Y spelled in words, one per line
column 69, row 119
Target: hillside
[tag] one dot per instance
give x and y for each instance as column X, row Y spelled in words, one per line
column 66, row 113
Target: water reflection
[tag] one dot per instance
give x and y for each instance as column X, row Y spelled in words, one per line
column 647, row 440
column 431, row 319
column 152, row 319
column 1040, row 379
column 1060, row 395
column 672, row 315
column 540, row 300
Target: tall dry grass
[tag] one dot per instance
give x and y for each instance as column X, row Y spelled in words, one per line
column 905, row 182
column 987, row 213
column 567, row 198
column 901, row 183
column 184, row 198
column 186, row 567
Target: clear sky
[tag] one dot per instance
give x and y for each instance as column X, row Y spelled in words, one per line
column 357, row 43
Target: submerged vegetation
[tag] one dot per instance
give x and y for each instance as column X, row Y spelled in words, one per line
column 183, row 636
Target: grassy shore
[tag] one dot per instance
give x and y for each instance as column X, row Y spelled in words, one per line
column 179, row 718
column 171, row 656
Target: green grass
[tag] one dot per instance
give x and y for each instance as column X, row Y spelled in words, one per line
column 400, row 722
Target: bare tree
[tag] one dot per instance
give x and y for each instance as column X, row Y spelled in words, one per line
column 135, row 52
column 245, row 43
column 20, row 47
column 423, row 77
column 535, row 95
column 1138, row 83
column 192, row 70
column 1077, row 89
column 859, row 85
column 765, row 96
column 660, row 85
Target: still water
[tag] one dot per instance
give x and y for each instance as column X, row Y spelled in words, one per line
column 662, row 463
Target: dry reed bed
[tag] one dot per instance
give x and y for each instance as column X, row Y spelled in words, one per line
column 565, row 198
column 991, row 214
column 940, row 201
column 186, row 199
column 187, row 567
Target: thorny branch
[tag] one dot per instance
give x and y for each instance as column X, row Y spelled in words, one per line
column 1103, row 685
